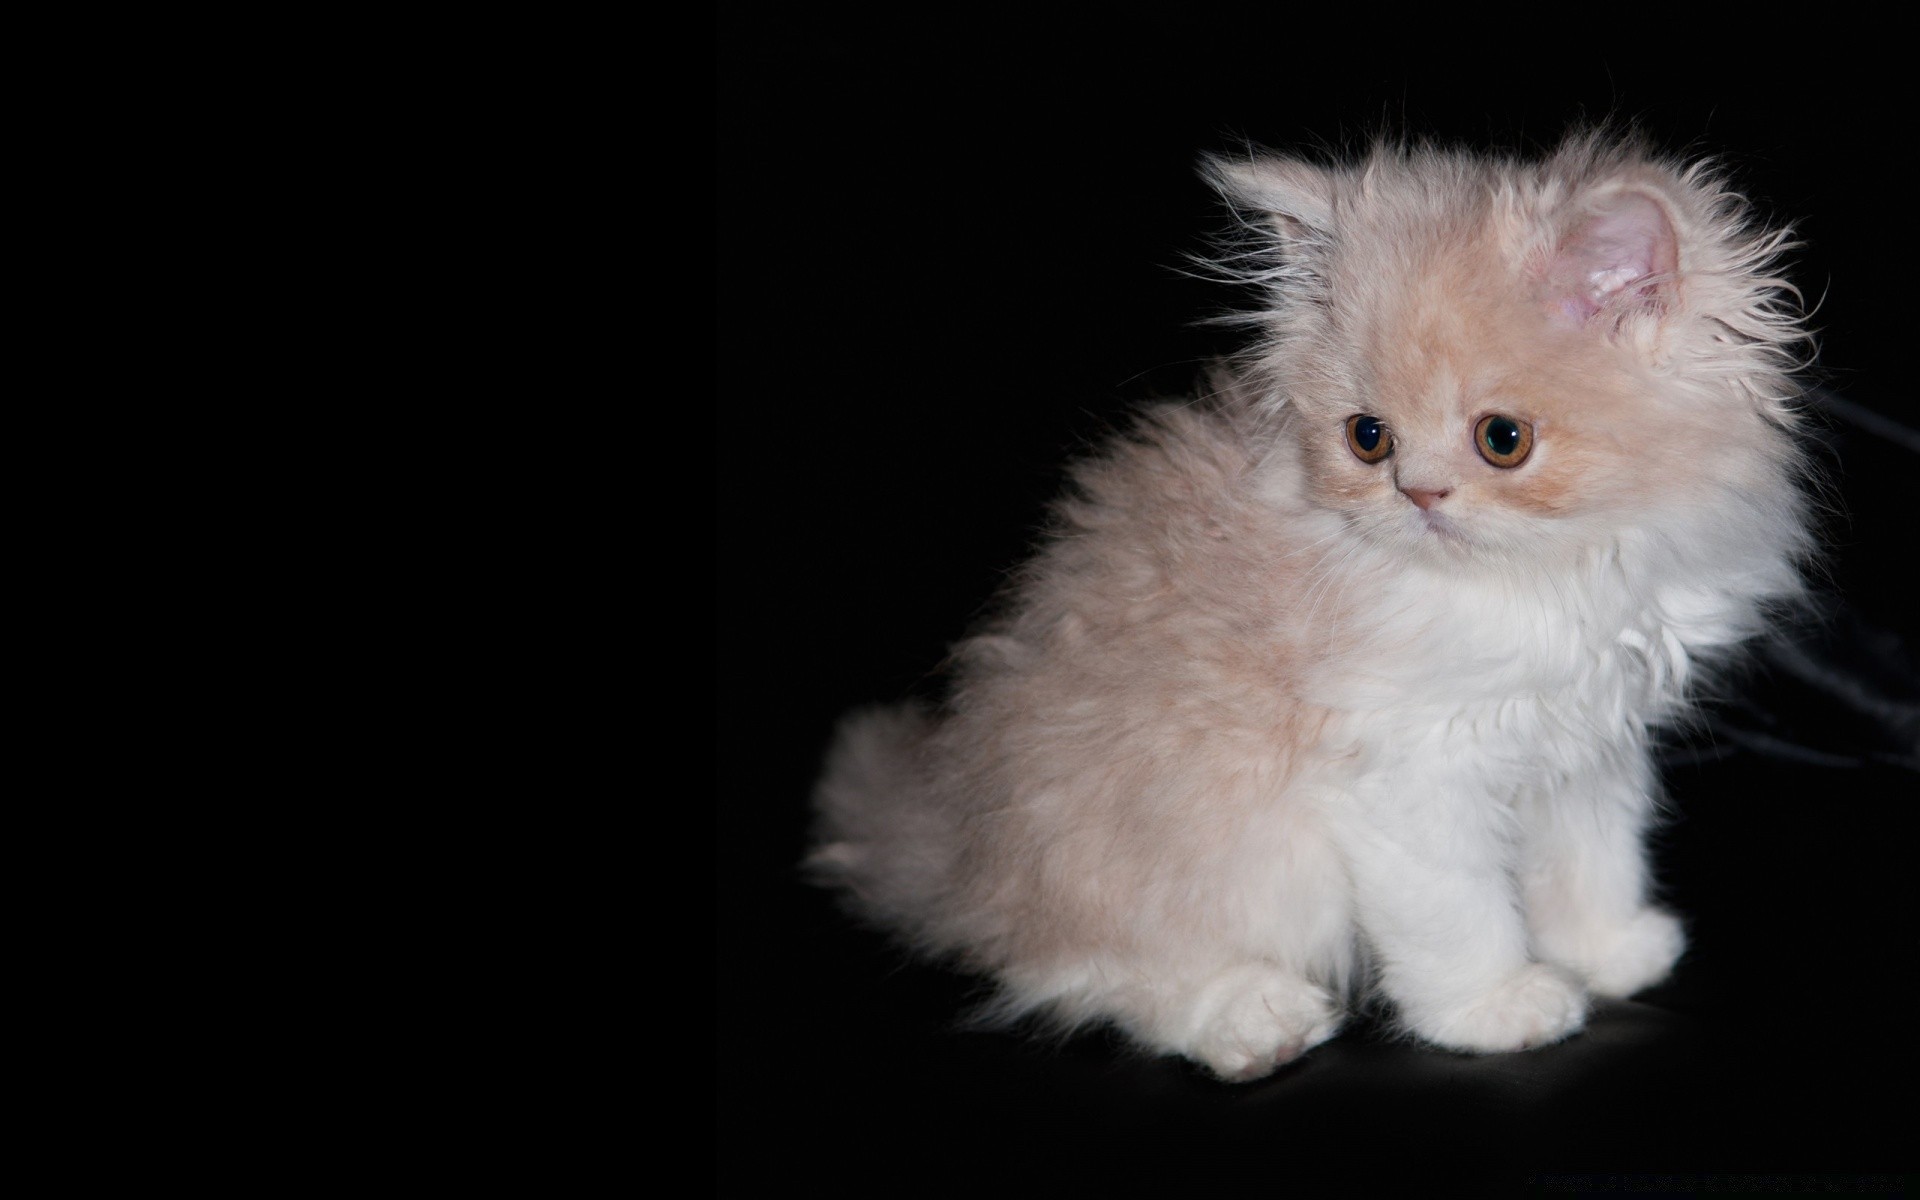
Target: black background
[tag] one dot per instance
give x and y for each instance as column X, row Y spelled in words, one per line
column 949, row 256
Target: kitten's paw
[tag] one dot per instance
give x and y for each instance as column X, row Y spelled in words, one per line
column 1256, row 1019
column 1535, row 1006
column 1630, row 956
column 1619, row 959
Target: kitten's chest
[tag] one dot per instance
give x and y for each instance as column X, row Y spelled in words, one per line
column 1518, row 739
column 1501, row 680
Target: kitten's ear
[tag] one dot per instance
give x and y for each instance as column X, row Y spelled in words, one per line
column 1296, row 197
column 1621, row 253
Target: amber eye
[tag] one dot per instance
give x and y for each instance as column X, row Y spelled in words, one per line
column 1503, row 441
column 1368, row 438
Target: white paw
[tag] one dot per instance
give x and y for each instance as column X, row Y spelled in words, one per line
column 1259, row 1018
column 1643, row 953
column 1535, row 1006
column 1622, row 959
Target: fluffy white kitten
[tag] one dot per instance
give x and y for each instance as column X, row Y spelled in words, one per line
column 1343, row 678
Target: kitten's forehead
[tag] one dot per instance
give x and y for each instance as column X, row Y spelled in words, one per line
column 1460, row 325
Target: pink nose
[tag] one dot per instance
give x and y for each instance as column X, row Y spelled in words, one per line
column 1424, row 498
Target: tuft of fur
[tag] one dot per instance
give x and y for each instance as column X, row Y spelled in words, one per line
column 1266, row 730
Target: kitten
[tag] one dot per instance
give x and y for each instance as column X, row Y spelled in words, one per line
column 1343, row 680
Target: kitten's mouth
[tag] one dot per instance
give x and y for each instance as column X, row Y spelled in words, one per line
column 1442, row 527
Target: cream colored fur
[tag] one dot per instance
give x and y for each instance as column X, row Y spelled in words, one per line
column 1257, row 731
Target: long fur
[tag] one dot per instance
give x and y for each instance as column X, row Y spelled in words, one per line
column 1255, row 715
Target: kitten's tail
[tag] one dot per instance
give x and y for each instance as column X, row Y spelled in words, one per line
column 881, row 835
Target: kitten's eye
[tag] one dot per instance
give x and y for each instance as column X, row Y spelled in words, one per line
column 1503, row 441
column 1368, row 438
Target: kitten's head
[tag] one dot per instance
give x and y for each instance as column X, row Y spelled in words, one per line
column 1490, row 361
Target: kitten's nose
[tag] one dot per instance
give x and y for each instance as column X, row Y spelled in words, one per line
column 1424, row 498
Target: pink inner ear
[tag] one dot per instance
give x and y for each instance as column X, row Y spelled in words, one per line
column 1629, row 240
